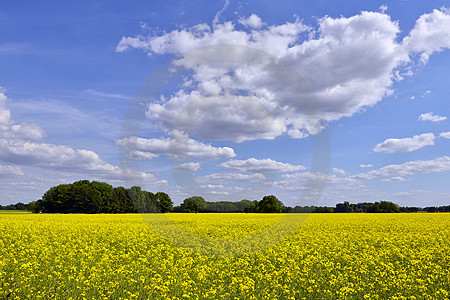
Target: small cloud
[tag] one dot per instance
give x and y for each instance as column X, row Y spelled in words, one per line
column 426, row 93
column 405, row 144
column 441, row 164
column 253, row 22
column 394, row 179
column 260, row 166
column 366, row 166
column 412, row 97
column 445, row 135
column 222, row 178
column 430, row 117
column 190, row 166
column 216, row 193
column 107, row 95
column 338, row 171
column 212, row 186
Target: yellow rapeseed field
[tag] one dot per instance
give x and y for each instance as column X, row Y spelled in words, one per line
column 225, row 256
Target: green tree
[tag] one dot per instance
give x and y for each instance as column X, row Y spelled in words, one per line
column 270, row 204
column 247, row 206
column 137, row 198
column 54, row 200
column 343, row 207
column 165, row 204
column 99, row 197
column 151, row 205
column 122, row 203
column 194, row 204
column 389, row 207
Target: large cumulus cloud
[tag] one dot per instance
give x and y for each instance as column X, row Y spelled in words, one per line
column 260, row 82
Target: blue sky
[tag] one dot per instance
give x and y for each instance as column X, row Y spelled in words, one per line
column 317, row 102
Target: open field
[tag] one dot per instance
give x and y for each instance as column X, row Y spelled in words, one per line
column 317, row 256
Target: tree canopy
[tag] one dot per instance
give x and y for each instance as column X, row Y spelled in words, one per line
column 99, row 197
column 194, row 204
column 269, row 204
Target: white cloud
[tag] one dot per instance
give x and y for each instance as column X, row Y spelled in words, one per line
column 260, row 84
column 383, row 8
column 212, row 186
column 394, row 179
column 19, row 144
column 224, row 178
column 426, row 93
column 430, row 34
column 405, row 144
column 190, row 166
column 216, row 193
column 445, row 135
column 441, row 164
column 366, row 166
column 224, row 117
column 430, row 117
column 9, row 170
column 338, row 171
column 177, row 145
column 220, row 12
column 11, row 131
column 253, row 21
column 254, row 165
column 63, row 158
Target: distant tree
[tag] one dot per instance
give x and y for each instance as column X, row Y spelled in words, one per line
column 323, row 209
column 137, row 198
column 55, row 199
column 21, row 206
column 165, row 204
column 222, row 206
column 343, row 207
column 32, row 206
column 177, row 209
column 389, row 207
column 194, row 204
column 431, row 209
column 252, row 207
column 17, row 206
column 444, row 208
column 122, row 203
column 303, row 209
column 151, row 204
column 99, row 197
column 408, row 209
column 246, row 205
column 270, row 204
column 104, row 195
column 286, row 209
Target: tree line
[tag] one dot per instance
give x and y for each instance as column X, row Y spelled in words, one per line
column 99, row 197
column 17, row 206
column 269, row 204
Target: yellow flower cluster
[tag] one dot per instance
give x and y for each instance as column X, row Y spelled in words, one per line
column 225, row 256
